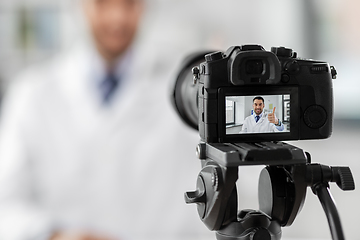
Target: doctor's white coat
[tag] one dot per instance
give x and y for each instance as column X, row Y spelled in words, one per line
column 261, row 126
column 67, row 162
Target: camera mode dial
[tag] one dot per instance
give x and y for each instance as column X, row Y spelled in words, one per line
column 213, row 56
column 292, row 67
column 282, row 51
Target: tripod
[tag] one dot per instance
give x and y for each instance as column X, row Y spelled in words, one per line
column 282, row 189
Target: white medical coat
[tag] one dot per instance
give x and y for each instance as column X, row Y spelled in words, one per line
column 67, row 162
column 261, row 126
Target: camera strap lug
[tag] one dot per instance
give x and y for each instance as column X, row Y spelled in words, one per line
column 196, row 74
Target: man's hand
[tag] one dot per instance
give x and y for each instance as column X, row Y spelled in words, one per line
column 272, row 118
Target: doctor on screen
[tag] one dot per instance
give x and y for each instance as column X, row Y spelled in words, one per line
column 258, row 122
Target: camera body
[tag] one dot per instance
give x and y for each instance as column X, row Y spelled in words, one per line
column 299, row 89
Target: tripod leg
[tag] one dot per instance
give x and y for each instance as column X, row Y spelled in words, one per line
column 322, row 191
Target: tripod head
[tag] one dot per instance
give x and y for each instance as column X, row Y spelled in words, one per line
column 282, row 188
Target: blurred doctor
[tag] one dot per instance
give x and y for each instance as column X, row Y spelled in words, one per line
column 89, row 146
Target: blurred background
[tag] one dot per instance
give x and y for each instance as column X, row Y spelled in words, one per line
column 32, row 31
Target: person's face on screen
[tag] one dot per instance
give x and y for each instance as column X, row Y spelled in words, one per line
column 258, row 106
column 113, row 24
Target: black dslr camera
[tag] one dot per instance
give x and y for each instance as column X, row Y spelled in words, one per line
column 231, row 99
column 299, row 89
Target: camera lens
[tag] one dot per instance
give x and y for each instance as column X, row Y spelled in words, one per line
column 255, row 66
column 184, row 94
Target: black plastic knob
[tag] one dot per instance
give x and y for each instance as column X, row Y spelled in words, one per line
column 213, row 56
column 343, row 178
column 201, row 151
column 198, row 196
column 195, row 197
column 292, row 67
column 282, row 51
column 260, row 234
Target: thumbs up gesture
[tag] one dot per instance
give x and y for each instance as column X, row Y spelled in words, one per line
column 272, row 118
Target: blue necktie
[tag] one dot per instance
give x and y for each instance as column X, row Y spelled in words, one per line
column 257, row 118
column 108, row 86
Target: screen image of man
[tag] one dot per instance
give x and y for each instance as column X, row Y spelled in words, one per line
column 259, row 122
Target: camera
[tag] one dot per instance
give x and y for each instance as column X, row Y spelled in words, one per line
column 244, row 102
column 295, row 95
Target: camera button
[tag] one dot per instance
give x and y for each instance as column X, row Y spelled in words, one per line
column 285, row 78
column 292, row 67
column 315, row 116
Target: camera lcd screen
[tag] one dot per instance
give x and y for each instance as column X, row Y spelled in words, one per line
column 257, row 114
